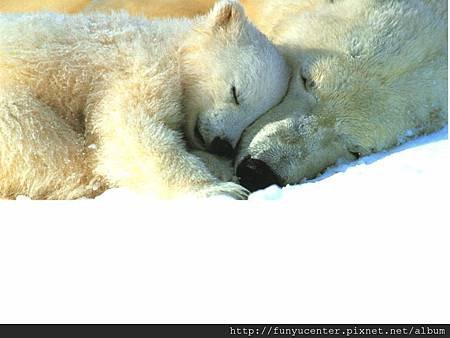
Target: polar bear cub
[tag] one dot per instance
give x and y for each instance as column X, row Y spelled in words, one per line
column 89, row 102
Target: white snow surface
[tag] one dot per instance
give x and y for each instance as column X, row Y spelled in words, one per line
column 416, row 167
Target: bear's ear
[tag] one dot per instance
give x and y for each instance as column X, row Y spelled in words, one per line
column 226, row 13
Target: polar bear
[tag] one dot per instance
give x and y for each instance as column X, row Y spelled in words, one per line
column 89, row 102
column 367, row 76
column 154, row 8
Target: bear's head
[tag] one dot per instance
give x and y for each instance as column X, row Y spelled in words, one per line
column 231, row 75
column 366, row 75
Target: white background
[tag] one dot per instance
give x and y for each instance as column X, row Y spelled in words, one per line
column 357, row 259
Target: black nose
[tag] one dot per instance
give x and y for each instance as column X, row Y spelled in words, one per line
column 255, row 174
column 222, row 148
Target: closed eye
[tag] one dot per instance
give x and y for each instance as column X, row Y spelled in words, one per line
column 308, row 83
column 235, row 95
column 306, row 76
column 357, row 155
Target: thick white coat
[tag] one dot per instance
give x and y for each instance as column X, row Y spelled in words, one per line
column 89, row 102
column 367, row 75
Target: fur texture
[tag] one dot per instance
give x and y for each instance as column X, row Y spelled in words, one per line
column 367, row 76
column 154, row 8
column 89, row 102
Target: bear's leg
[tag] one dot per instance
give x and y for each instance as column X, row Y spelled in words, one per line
column 40, row 155
column 146, row 155
column 220, row 167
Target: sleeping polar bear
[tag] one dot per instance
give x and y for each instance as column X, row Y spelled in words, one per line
column 89, row 102
column 367, row 75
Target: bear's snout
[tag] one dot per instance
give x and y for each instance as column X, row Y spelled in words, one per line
column 222, row 147
column 255, row 174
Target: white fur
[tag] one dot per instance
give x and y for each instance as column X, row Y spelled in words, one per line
column 375, row 71
column 89, row 102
